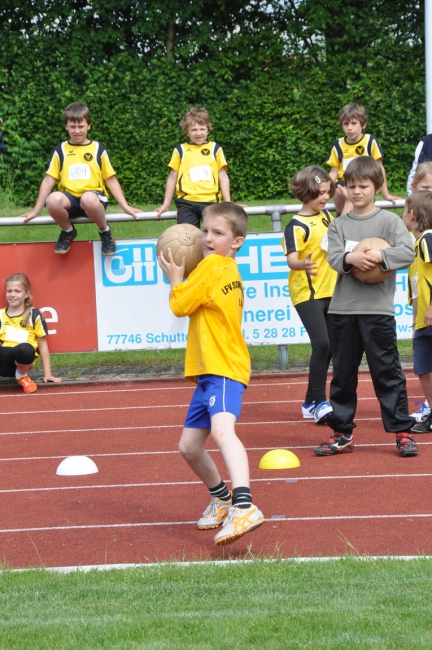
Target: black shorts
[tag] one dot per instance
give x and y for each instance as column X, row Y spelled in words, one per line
column 23, row 353
column 190, row 211
column 75, row 201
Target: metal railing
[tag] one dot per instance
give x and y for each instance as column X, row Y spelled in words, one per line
column 276, row 212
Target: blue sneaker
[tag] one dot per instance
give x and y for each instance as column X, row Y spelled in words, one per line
column 308, row 411
column 421, row 413
column 322, row 412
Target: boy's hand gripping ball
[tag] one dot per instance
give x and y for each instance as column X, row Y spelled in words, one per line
column 184, row 240
column 376, row 274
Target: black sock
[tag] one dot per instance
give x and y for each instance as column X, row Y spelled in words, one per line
column 221, row 492
column 242, row 497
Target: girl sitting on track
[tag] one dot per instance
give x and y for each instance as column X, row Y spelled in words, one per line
column 23, row 333
column 311, row 281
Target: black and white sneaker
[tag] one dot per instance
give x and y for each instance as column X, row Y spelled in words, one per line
column 423, row 427
column 64, row 241
column 336, row 444
column 108, row 242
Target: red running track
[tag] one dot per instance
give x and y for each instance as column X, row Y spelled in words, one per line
column 143, row 504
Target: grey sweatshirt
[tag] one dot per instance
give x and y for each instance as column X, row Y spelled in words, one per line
column 351, row 296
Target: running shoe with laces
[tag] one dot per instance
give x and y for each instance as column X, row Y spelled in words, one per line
column 308, row 411
column 336, row 444
column 406, row 445
column 423, row 427
column 422, row 412
column 239, row 522
column 215, row 514
column 322, row 412
column 27, row 384
column 108, row 242
column 64, row 241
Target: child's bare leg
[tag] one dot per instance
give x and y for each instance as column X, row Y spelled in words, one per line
column 23, row 368
column 231, row 448
column 426, row 384
column 191, row 447
column 58, row 205
column 94, row 209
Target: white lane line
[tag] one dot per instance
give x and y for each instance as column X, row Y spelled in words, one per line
column 86, row 568
column 112, row 391
column 163, row 426
column 133, row 408
column 173, row 452
column 193, row 523
column 189, row 386
column 282, row 479
column 150, row 406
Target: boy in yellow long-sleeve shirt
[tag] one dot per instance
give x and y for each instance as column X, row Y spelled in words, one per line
column 218, row 360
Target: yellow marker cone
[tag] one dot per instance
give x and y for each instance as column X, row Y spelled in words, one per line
column 279, row 459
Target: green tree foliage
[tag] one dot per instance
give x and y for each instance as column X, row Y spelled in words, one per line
column 273, row 75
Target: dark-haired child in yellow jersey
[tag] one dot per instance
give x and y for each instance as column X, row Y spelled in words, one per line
column 312, row 280
column 417, row 217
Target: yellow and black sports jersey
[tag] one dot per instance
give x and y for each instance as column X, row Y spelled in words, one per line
column 342, row 153
column 308, row 234
column 198, row 167
column 80, row 167
column 413, row 276
column 424, row 273
column 212, row 297
column 13, row 331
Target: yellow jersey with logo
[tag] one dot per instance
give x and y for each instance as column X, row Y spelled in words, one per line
column 80, row 168
column 212, row 297
column 13, row 331
column 342, row 152
column 424, row 272
column 308, row 234
column 198, row 167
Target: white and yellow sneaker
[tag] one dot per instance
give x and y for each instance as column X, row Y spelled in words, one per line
column 215, row 514
column 239, row 522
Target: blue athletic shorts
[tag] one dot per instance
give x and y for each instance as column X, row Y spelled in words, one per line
column 423, row 351
column 214, row 394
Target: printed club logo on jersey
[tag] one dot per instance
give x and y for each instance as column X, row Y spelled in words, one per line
column 131, row 265
column 360, row 150
column 88, row 157
column 205, row 152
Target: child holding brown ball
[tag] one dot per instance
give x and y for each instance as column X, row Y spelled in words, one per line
column 363, row 314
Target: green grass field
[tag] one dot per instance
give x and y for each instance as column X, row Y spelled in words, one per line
column 340, row 604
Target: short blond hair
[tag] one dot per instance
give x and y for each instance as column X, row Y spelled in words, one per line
column 233, row 213
column 421, row 172
column 195, row 116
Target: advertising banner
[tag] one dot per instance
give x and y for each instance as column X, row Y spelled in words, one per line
column 132, row 297
column 92, row 302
